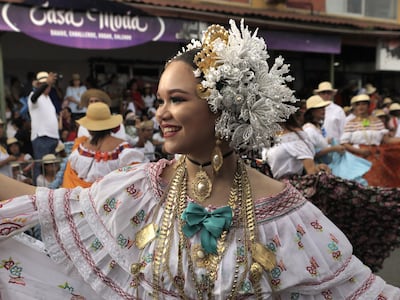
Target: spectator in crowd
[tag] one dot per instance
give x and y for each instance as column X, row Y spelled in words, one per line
column 375, row 98
column 386, row 104
column 132, row 122
column 94, row 96
column 314, row 118
column 292, row 153
column 381, row 115
column 24, row 160
column 50, row 166
column 334, row 115
column 5, row 158
column 135, row 97
column 115, row 90
column 148, row 96
column 144, row 142
column 394, row 119
column 73, row 97
column 95, row 157
column 44, row 123
column 67, row 123
column 63, row 150
column 366, row 136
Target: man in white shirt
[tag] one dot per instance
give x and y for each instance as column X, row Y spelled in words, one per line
column 335, row 118
column 44, row 122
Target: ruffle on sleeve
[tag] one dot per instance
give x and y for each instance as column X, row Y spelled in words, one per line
column 299, row 149
column 94, row 229
column 314, row 258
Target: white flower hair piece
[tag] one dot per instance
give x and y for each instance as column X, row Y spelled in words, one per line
column 239, row 85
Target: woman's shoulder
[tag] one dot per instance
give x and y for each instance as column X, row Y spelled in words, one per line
column 263, row 186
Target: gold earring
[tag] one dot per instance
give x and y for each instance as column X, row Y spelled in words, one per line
column 216, row 157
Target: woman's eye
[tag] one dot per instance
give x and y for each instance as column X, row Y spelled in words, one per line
column 176, row 99
column 160, row 101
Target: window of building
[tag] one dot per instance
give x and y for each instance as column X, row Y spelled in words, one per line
column 383, row 9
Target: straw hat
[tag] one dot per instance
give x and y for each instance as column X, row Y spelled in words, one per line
column 360, row 98
column 394, row 106
column 325, row 86
column 346, row 109
column 370, row 89
column 387, row 100
column 316, row 102
column 60, row 147
column 11, row 140
column 96, row 94
column 379, row 113
column 98, row 117
column 49, row 159
column 42, row 76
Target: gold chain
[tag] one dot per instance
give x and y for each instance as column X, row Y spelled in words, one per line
column 175, row 204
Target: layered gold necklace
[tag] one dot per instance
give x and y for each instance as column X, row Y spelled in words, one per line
column 240, row 201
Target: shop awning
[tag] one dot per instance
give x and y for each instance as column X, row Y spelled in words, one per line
column 100, row 27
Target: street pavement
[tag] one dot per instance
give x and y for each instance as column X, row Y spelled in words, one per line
column 391, row 269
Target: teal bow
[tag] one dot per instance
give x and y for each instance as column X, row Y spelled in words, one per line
column 211, row 224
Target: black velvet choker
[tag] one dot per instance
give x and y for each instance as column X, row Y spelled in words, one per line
column 209, row 162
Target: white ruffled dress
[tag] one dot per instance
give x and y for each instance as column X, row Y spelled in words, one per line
column 93, row 231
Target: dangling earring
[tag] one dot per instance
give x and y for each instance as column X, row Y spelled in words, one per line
column 202, row 184
column 216, row 157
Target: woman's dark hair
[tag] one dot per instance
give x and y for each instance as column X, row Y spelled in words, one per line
column 187, row 57
column 308, row 117
column 98, row 135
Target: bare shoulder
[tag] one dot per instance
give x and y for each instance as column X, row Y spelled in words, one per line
column 263, row 186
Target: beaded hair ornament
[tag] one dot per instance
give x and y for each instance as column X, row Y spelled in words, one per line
column 238, row 83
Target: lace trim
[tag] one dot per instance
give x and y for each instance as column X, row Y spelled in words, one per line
column 100, row 155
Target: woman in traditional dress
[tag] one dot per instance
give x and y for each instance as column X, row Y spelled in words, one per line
column 95, row 156
column 206, row 226
column 342, row 163
column 367, row 137
column 292, row 153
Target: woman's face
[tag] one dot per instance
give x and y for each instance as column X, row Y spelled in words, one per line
column 318, row 114
column 185, row 119
column 361, row 108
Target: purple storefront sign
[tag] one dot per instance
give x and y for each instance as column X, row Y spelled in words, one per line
column 92, row 29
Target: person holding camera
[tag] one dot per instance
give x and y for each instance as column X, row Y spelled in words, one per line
column 44, row 123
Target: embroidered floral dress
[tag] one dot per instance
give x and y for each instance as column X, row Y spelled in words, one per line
column 94, row 231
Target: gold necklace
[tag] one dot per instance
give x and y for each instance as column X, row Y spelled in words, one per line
column 202, row 184
column 240, row 197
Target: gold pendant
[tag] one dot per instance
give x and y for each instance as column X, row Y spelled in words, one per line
column 265, row 257
column 145, row 235
column 255, row 272
column 202, row 186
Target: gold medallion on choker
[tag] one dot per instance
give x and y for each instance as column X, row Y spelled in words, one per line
column 202, row 185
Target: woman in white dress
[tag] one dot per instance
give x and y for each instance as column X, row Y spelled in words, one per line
column 342, row 163
column 206, row 226
column 102, row 153
column 292, row 153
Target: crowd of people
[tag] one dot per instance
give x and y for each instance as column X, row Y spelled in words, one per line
column 39, row 136
column 199, row 223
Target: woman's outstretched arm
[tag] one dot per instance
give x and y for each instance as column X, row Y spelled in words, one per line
column 10, row 188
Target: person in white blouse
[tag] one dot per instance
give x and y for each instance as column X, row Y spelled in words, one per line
column 73, row 96
column 292, row 153
column 314, row 118
column 367, row 137
column 335, row 118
